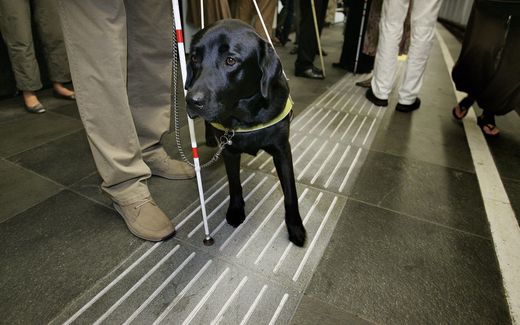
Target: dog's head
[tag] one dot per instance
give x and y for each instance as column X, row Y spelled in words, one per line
column 229, row 64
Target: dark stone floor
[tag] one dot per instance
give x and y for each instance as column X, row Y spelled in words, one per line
column 412, row 244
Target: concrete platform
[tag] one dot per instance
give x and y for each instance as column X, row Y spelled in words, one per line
column 397, row 227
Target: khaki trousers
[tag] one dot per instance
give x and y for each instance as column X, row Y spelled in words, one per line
column 246, row 11
column 15, row 25
column 120, row 58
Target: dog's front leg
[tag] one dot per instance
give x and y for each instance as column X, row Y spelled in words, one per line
column 283, row 162
column 235, row 214
column 211, row 140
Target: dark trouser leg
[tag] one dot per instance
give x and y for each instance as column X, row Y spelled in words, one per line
column 15, row 24
column 307, row 43
column 47, row 21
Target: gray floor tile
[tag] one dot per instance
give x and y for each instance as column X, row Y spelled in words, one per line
column 21, row 189
column 54, row 251
column 424, row 137
column 513, row 192
column 91, row 187
column 506, row 147
column 13, row 108
column 432, row 192
column 393, row 269
column 312, row 311
column 429, row 134
column 34, row 130
column 65, row 160
column 176, row 282
column 67, row 108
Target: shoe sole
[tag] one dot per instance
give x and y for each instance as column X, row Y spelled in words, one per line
column 374, row 100
column 408, row 108
column 305, row 76
column 141, row 236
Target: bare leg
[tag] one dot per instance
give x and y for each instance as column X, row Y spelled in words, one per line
column 60, row 89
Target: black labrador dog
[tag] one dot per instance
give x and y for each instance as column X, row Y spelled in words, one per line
column 235, row 79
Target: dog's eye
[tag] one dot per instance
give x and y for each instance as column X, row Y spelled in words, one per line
column 230, row 61
column 194, row 59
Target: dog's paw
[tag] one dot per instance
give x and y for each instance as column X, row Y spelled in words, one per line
column 235, row 216
column 297, row 235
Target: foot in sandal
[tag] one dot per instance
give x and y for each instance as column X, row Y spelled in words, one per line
column 487, row 124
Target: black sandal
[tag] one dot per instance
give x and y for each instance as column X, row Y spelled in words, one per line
column 463, row 107
column 488, row 121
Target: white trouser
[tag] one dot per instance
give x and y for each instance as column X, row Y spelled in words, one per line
column 423, row 19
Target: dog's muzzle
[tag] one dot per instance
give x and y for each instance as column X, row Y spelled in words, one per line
column 196, row 102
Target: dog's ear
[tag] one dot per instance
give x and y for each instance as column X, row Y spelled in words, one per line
column 269, row 65
column 189, row 74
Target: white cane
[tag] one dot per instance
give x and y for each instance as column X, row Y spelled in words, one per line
column 266, row 31
column 201, row 14
column 360, row 40
column 316, row 29
column 180, row 45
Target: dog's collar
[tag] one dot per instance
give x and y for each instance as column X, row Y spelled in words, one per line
column 281, row 116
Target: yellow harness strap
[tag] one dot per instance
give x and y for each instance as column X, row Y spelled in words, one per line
column 281, row 116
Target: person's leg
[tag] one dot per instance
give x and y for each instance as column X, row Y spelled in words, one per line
column 46, row 18
column 423, row 19
column 288, row 22
column 306, row 38
column 390, row 32
column 281, row 20
column 95, row 38
column 461, row 109
column 245, row 11
column 15, row 24
column 307, row 43
column 149, row 26
column 267, row 9
column 487, row 123
column 321, row 13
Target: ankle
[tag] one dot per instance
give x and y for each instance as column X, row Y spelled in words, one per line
column 30, row 98
column 61, row 89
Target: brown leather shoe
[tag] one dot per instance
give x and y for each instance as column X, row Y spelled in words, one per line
column 365, row 83
column 169, row 168
column 146, row 220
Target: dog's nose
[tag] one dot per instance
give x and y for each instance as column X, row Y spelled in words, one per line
column 195, row 100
